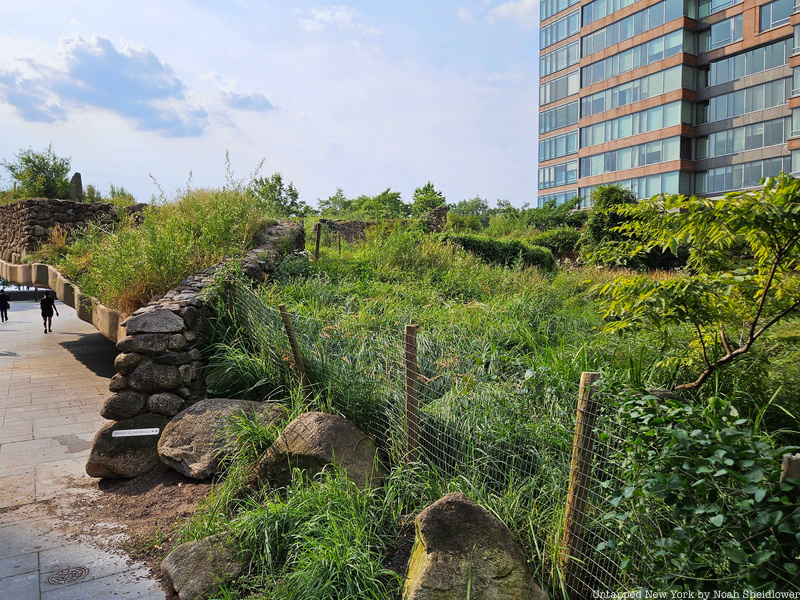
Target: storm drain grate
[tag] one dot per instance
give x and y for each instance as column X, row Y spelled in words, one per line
column 68, row 575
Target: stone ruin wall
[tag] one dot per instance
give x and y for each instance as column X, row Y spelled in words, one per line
column 26, row 224
column 353, row 231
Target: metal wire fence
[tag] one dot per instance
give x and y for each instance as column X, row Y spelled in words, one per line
column 559, row 446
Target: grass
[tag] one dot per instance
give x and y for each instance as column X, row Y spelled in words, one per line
column 125, row 265
column 500, row 355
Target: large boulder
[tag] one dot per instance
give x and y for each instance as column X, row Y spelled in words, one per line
column 194, row 440
column 195, row 570
column 124, row 455
column 312, row 442
column 460, row 544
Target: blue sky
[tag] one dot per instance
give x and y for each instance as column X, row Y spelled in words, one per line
column 362, row 96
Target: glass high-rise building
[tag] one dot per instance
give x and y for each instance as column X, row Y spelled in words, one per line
column 692, row 97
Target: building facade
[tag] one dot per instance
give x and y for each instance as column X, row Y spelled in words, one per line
column 667, row 96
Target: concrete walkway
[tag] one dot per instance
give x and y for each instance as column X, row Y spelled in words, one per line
column 51, row 390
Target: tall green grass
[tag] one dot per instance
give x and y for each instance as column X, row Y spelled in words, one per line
column 126, row 264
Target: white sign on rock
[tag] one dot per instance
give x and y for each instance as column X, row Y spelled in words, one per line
column 135, row 432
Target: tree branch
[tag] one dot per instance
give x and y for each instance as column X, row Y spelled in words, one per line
column 738, row 352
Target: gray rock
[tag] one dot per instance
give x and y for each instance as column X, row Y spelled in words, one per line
column 165, row 404
column 144, row 343
column 126, row 363
column 150, row 377
column 155, row 321
column 177, row 342
column 312, row 442
column 186, row 373
column 127, row 456
column 460, row 544
column 76, row 188
column 195, row 570
column 118, row 383
column 194, row 441
column 172, row 358
column 191, row 317
column 123, row 405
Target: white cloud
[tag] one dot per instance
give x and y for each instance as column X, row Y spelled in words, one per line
column 133, row 83
column 465, row 15
column 343, row 17
column 523, row 12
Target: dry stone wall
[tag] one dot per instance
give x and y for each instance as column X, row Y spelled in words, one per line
column 27, row 224
column 159, row 372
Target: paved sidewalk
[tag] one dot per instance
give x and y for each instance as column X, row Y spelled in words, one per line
column 52, row 387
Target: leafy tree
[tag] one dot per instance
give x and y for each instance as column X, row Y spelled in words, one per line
column 336, row 205
column 426, row 198
column 278, row 199
column 40, row 174
column 473, row 207
column 386, row 205
column 730, row 301
column 602, row 224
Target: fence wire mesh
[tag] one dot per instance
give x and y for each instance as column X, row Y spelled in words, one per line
column 507, row 430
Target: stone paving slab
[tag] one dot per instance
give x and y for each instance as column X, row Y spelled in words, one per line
column 52, row 387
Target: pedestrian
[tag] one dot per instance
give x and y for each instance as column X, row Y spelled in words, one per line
column 48, row 305
column 4, row 305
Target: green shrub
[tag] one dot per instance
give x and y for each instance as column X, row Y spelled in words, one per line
column 503, row 252
column 292, row 266
column 459, row 223
column 559, row 241
column 710, row 484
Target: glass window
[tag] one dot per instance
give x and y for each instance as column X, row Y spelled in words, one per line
column 552, row 7
column 554, row 32
column 775, row 14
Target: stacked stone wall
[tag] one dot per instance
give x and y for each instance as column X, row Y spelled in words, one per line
column 354, row 231
column 27, row 224
column 160, row 368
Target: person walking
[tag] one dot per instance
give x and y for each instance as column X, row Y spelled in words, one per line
column 48, row 305
column 4, row 305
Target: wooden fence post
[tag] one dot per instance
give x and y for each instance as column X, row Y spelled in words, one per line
column 412, row 403
column 318, row 228
column 339, row 242
column 579, row 479
column 790, row 467
column 298, row 358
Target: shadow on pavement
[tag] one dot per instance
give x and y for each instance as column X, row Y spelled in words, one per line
column 94, row 351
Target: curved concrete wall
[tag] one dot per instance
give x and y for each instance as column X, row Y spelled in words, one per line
column 105, row 320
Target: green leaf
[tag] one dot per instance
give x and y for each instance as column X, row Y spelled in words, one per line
column 760, row 494
column 735, row 554
column 717, row 520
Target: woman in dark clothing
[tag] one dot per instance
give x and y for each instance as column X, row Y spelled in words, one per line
column 4, row 305
column 48, row 305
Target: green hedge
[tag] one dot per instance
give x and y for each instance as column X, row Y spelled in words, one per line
column 503, row 252
column 558, row 241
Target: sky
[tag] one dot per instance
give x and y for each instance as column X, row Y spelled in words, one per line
column 150, row 95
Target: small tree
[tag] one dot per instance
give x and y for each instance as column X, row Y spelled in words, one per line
column 426, row 199
column 729, row 298
column 278, row 199
column 40, row 174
